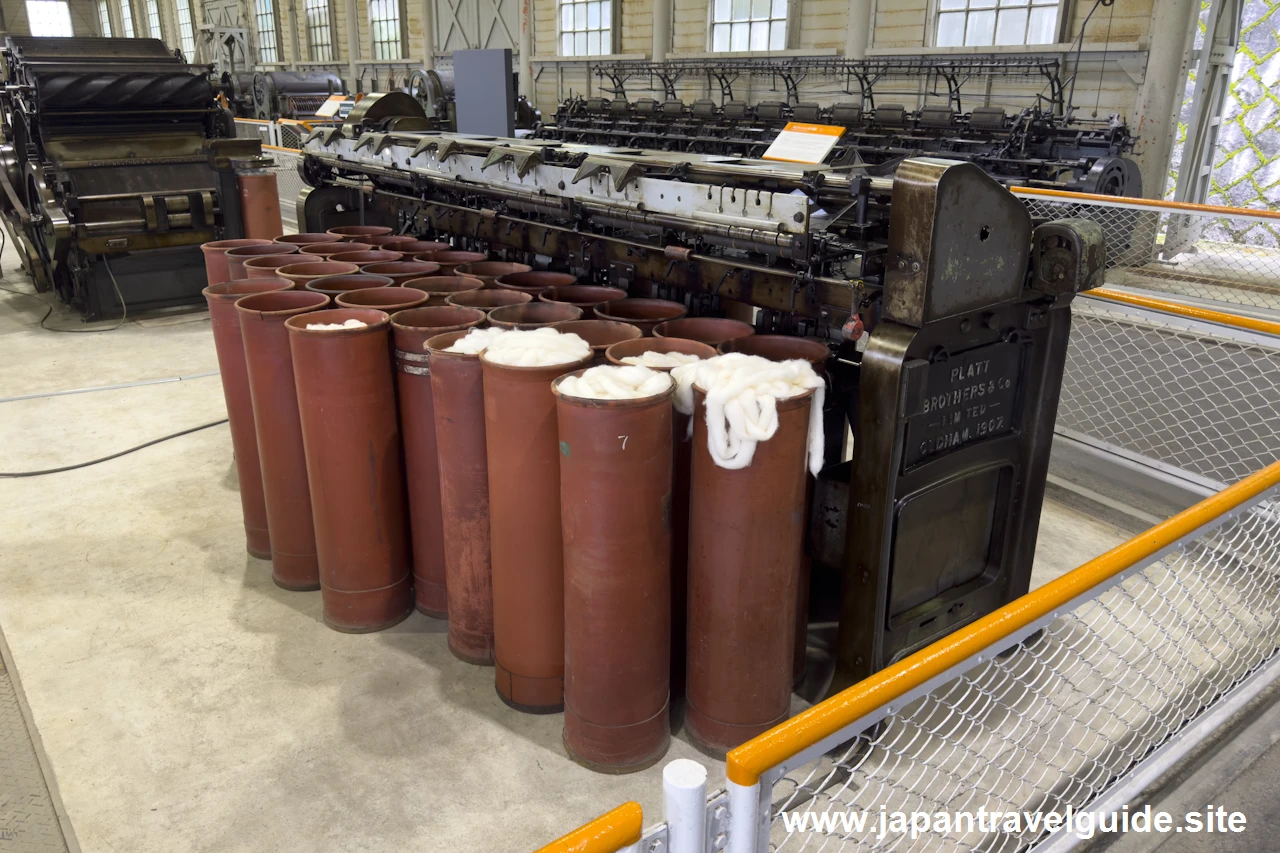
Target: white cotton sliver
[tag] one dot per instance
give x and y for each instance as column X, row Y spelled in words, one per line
column 661, row 359
column 476, row 341
column 536, row 348
column 333, row 327
column 608, row 382
column 742, row 392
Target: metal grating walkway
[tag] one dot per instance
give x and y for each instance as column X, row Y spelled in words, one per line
column 28, row 819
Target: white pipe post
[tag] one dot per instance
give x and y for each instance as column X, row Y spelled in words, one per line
column 743, row 802
column 428, row 35
column 857, row 29
column 525, row 49
column 661, row 30
column 684, row 805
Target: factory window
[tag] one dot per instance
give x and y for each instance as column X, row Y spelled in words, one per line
column 49, row 17
column 384, row 21
column 586, row 27
column 186, row 32
column 104, row 18
column 268, row 45
column 980, row 23
column 126, row 19
column 153, row 19
column 739, row 25
column 319, row 33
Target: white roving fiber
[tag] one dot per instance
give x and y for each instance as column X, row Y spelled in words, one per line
column 475, row 341
column 536, row 348
column 742, row 396
column 332, row 327
column 611, row 382
column 661, row 359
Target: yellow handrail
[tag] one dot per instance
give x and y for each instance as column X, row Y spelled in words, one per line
column 745, row 764
column 606, row 834
column 1252, row 324
column 1147, row 202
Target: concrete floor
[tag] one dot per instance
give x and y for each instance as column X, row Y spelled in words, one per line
column 185, row 702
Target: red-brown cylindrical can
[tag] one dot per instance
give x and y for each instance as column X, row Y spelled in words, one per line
column 308, row 271
column 785, row 348
column 533, row 315
column 402, row 271
column 708, row 330
column 294, row 564
column 389, row 299
column 682, row 460
column 600, row 334
column 421, row 247
column 457, row 389
column 411, row 329
column 309, row 238
column 641, row 312
column 265, row 266
column 328, row 250
column 353, row 233
column 215, row 258
column 440, row 287
column 260, row 203
column 617, row 581
column 221, row 299
column 746, row 527
column 534, row 282
column 524, row 523
column 347, row 404
column 237, row 257
column 490, row 271
column 487, row 300
column 364, row 257
column 585, row 296
column 450, row 259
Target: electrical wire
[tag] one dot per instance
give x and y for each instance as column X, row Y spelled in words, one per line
column 49, row 306
column 11, row 475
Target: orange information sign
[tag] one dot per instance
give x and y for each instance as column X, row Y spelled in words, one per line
column 804, row 143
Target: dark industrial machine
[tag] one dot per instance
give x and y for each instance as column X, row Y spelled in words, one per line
column 273, row 95
column 1042, row 144
column 117, row 163
column 946, row 308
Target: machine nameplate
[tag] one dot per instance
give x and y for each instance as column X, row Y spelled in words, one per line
column 966, row 398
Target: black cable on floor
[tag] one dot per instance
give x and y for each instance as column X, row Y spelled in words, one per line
column 8, row 475
column 124, row 315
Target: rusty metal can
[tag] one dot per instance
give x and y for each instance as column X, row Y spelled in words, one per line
column 682, row 455
column 746, row 527
column 533, row 315
column 450, row 259
column 227, row 341
column 236, row 257
column 389, row 299
column 402, row 271
column 712, row 331
column 586, row 296
column 411, row 329
column 642, row 313
column 347, row 407
column 303, row 273
column 353, row 233
column 534, row 282
column 265, row 266
column 294, row 564
column 523, row 450
column 490, row 271
column 600, row 334
column 259, row 203
column 440, row 287
column 458, row 394
column 487, row 300
column 617, row 581
column 215, row 258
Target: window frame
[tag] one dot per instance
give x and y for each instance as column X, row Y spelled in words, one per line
column 155, row 29
column 128, row 29
column 612, row 30
column 935, row 11
column 104, row 19
column 402, row 22
column 276, row 41
column 187, row 31
column 66, row 6
column 788, row 23
column 331, row 47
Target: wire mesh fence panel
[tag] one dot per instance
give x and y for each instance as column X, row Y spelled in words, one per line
column 288, row 182
column 1185, row 394
column 1053, row 721
column 253, row 130
column 1232, row 259
column 291, row 135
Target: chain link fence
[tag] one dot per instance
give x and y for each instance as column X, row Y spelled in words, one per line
column 288, row 182
column 1058, row 719
column 1223, row 255
column 1196, row 396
